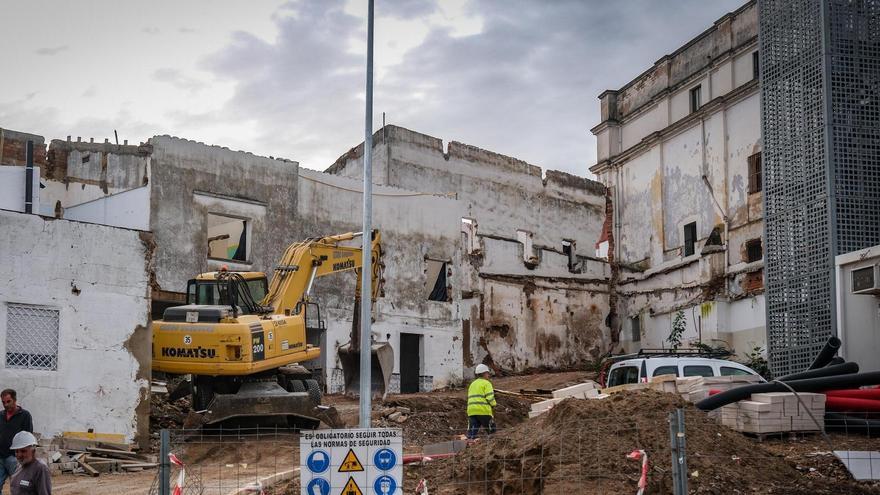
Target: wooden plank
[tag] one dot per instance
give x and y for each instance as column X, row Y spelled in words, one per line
column 88, row 469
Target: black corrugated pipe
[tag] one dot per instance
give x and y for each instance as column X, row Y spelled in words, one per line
column 839, row 382
column 836, row 360
column 847, row 422
column 839, row 369
column 826, row 354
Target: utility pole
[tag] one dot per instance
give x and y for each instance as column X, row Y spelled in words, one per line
column 367, row 251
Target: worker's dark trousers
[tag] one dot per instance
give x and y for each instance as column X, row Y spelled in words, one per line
column 475, row 422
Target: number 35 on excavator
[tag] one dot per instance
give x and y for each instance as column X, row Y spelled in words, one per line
column 244, row 340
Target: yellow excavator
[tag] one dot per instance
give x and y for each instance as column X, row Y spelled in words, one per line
column 244, row 341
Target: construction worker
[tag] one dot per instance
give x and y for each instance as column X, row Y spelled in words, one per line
column 481, row 400
column 32, row 477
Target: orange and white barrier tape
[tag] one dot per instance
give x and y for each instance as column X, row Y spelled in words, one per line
column 643, row 479
column 181, row 476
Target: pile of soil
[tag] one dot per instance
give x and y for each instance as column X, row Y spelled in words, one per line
column 579, row 446
column 441, row 418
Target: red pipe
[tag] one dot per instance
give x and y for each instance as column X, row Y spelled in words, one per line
column 866, row 393
column 833, row 403
column 409, row 459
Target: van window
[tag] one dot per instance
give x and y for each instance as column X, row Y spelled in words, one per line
column 623, row 375
column 666, row 370
column 728, row 371
column 698, row 371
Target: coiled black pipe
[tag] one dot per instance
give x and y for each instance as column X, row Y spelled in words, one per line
column 839, row 369
column 836, row 360
column 838, row 382
column 826, row 354
column 848, row 422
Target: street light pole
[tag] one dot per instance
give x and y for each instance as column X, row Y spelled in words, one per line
column 367, row 252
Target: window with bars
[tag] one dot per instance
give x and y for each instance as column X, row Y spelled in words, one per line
column 755, row 173
column 31, row 337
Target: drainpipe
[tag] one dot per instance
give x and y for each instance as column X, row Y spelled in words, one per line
column 714, row 199
column 29, row 178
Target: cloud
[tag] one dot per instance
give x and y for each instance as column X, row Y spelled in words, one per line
column 186, row 30
column 51, row 50
column 90, row 92
column 177, row 79
column 525, row 84
column 152, row 30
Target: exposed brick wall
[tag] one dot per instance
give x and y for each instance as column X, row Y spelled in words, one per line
column 14, row 148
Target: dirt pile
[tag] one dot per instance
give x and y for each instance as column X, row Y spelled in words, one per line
column 164, row 414
column 580, row 447
column 437, row 419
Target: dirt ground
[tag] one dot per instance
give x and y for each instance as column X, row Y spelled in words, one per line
column 578, row 447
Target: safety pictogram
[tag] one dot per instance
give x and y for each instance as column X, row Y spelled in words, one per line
column 350, row 464
column 351, row 488
column 318, row 461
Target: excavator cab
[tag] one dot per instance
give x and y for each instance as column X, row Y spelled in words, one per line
column 241, row 289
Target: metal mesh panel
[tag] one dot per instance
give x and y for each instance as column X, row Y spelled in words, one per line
column 821, row 161
column 31, row 337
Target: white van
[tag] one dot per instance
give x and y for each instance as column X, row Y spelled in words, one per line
column 642, row 369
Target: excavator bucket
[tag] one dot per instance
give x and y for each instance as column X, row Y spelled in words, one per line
column 381, row 367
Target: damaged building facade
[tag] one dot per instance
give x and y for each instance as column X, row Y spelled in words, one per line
column 487, row 258
column 679, row 148
column 74, row 294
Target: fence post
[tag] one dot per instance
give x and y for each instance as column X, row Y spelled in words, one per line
column 677, row 445
column 673, row 447
column 164, row 463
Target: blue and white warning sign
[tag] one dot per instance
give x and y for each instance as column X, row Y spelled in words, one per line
column 356, row 461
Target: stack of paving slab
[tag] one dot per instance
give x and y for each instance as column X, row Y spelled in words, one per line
column 586, row 390
column 696, row 388
column 775, row 412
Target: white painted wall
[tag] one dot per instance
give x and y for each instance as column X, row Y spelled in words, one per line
column 12, row 183
column 96, row 277
column 858, row 315
column 127, row 209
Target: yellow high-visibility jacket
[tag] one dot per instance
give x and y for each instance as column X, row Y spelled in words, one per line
column 481, row 398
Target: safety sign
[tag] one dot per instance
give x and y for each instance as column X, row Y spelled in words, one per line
column 357, row 461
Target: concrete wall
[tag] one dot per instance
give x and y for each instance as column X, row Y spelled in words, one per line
column 128, row 209
column 101, row 290
column 12, row 189
column 190, row 179
column 674, row 166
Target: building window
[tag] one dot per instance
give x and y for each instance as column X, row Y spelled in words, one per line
column 695, row 99
column 755, row 173
column 754, row 250
column 568, row 250
column 635, row 324
column 469, row 235
column 31, row 337
column 690, row 238
column 436, row 281
column 756, row 70
column 227, row 238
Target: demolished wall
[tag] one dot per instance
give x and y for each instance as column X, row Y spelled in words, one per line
column 93, row 299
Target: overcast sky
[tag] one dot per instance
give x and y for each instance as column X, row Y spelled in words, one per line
column 287, row 78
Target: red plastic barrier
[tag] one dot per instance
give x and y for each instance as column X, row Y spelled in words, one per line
column 867, row 393
column 833, row 403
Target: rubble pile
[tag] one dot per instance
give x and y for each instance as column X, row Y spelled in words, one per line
column 580, row 446
column 92, row 458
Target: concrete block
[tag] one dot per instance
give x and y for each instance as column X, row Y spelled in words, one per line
column 575, row 390
column 449, row 447
column 546, row 404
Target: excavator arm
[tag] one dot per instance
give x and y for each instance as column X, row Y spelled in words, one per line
column 305, row 261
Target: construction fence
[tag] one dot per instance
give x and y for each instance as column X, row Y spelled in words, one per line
column 562, row 451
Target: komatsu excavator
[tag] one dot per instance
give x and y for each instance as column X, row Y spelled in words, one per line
column 244, row 341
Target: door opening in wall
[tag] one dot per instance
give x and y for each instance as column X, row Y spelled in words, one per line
column 410, row 362
column 437, row 280
column 568, row 250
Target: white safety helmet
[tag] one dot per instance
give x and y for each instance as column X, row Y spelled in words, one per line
column 480, row 369
column 23, row 439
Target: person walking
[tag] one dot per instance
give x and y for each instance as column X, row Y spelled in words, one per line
column 13, row 420
column 32, row 477
column 481, row 400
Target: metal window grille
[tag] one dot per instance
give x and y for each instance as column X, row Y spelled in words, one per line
column 31, row 337
column 820, row 118
column 755, row 173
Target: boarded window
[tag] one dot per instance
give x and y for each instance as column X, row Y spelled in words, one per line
column 436, row 282
column 31, row 337
column 690, row 238
column 754, row 251
column 696, row 98
column 227, row 237
column 755, row 173
column 635, row 324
